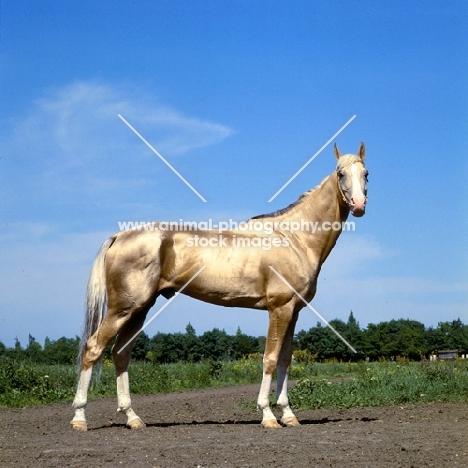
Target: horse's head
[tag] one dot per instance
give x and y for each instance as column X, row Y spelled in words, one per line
column 352, row 179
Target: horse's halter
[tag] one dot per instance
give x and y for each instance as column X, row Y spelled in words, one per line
column 343, row 196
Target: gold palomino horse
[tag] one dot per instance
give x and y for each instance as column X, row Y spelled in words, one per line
column 134, row 267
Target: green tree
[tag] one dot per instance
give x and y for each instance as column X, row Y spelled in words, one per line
column 62, row 351
column 373, row 338
column 34, row 350
column 317, row 340
column 394, row 338
column 412, row 339
column 434, row 340
column 354, row 332
column 262, row 344
column 140, row 347
column 17, row 353
column 327, row 344
column 167, row 347
column 215, row 344
column 242, row 345
column 455, row 335
column 191, row 345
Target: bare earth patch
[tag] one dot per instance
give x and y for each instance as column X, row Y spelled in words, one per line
column 215, row 428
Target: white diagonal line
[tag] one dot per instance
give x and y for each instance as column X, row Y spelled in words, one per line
column 160, row 157
column 313, row 310
column 160, row 310
column 312, row 158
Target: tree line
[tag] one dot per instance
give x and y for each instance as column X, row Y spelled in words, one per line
column 405, row 338
column 402, row 337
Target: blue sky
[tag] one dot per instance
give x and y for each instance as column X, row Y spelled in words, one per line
column 237, row 96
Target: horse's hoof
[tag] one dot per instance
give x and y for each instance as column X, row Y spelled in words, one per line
column 136, row 424
column 290, row 422
column 271, row 424
column 79, row 425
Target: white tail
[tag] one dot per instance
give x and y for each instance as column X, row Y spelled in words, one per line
column 96, row 298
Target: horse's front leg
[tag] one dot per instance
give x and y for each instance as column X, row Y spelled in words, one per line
column 263, row 402
column 284, row 363
column 281, row 318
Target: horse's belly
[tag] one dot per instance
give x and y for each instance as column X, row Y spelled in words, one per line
column 229, row 291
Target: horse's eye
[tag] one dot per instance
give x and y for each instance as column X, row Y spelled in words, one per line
column 340, row 174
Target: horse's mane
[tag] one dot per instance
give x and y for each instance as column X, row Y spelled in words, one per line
column 301, row 199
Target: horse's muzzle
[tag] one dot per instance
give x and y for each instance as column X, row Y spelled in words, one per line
column 358, row 208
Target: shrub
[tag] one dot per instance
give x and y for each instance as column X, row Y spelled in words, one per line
column 303, row 356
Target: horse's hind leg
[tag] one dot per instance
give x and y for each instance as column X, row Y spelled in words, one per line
column 81, row 397
column 121, row 356
column 94, row 348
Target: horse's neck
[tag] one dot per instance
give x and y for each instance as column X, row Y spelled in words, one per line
column 323, row 205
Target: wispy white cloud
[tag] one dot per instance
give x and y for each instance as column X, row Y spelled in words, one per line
column 85, row 113
column 72, row 141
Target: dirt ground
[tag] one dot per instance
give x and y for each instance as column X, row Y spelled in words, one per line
column 216, row 428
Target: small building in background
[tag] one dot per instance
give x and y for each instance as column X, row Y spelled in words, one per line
column 450, row 354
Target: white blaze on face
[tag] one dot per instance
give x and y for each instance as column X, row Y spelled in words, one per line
column 358, row 198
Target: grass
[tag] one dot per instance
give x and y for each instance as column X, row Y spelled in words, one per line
column 328, row 385
column 386, row 383
column 25, row 384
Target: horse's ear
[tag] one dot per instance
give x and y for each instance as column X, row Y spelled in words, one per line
column 337, row 152
column 362, row 152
